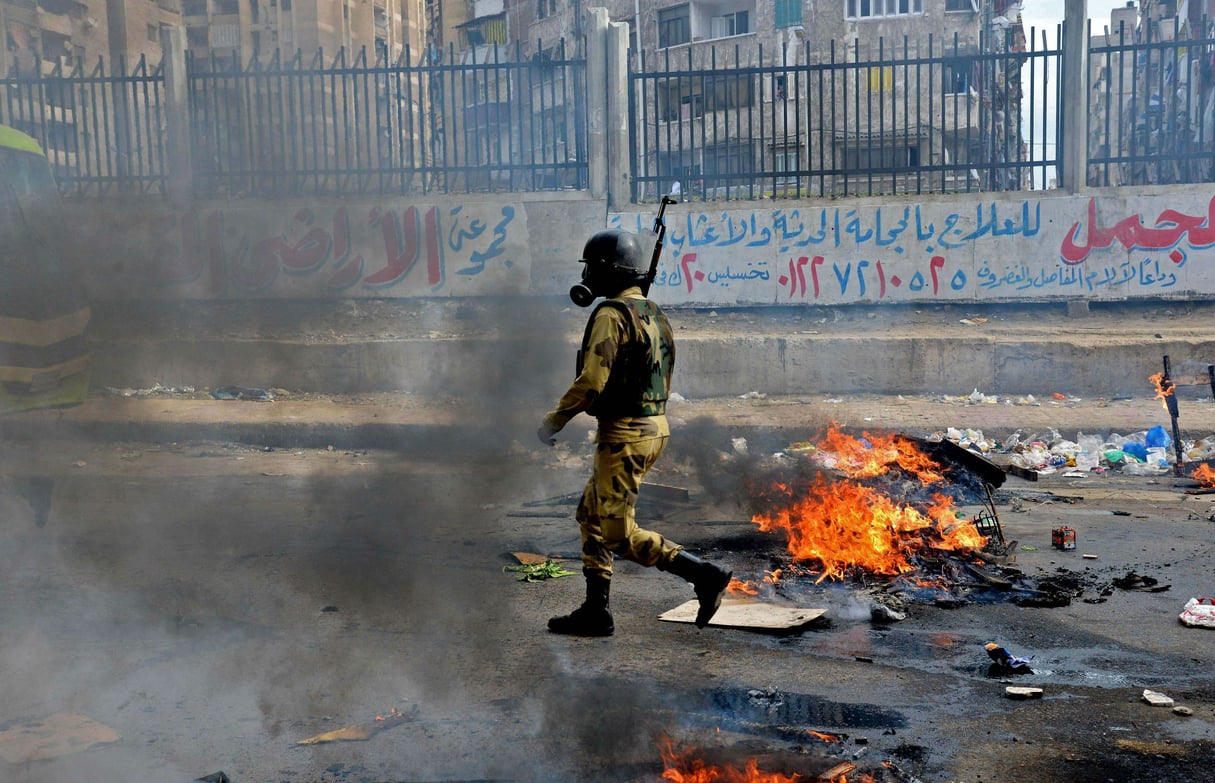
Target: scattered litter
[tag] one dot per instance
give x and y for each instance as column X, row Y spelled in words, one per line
column 1180, row 710
column 881, row 613
column 739, row 445
column 973, row 321
column 538, row 572
column 1019, row 692
column 836, row 773
column 151, row 391
column 1006, row 662
column 1089, row 557
column 1134, row 581
column 51, row 737
column 1157, row 699
column 359, row 731
column 241, row 393
column 748, row 615
column 214, row 777
column 753, row 395
column 1199, row 613
column 1063, row 538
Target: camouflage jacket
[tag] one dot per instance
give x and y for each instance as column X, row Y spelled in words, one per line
column 624, row 372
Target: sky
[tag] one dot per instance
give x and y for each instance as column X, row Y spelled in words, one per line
column 1046, row 15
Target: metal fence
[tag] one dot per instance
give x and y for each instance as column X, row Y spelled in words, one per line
column 101, row 131
column 889, row 119
column 315, row 126
column 1153, row 118
column 295, row 127
column 725, row 122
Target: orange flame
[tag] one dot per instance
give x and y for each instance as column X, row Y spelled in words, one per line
column 824, row 736
column 772, row 577
column 1204, row 475
column 1164, row 387
column 873, row 455
column 841, row 525
column 739, row 586
column 683, row 767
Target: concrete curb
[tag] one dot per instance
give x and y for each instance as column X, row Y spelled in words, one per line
column 418, row 424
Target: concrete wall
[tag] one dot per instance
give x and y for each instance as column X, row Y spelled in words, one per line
column 1112, row 244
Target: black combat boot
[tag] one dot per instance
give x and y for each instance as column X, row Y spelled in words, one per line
column 709, row 579
column 593, row 618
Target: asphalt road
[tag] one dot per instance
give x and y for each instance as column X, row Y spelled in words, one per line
column 208, row 606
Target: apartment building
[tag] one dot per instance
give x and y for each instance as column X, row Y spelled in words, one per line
column 720, row 126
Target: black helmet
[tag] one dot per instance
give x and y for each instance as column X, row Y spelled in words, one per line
column 614, row 261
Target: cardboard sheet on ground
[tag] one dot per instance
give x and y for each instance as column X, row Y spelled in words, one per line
column 748, row 614
column 57, row 735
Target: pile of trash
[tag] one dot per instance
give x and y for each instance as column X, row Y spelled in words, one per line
column 1146, row 453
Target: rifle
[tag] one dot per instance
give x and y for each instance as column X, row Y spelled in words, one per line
column 660, row 229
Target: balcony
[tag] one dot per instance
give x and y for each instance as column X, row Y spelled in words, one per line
column 55, row 23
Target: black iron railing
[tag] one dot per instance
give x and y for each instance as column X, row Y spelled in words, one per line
column 102, row 132
column 1152, row 95
column 499, row 123
column 886, row 120
column 737, row 122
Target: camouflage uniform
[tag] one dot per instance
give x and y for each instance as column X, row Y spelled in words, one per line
column 625, row 365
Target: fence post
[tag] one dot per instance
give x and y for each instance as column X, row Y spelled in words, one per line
column 177, row 115
column 618, row 186
column 1074, row 99
column 596, row 99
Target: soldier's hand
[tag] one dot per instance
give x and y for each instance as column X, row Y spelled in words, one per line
column 545, row 434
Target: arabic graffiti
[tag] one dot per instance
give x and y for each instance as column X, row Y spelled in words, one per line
column 1147, row 273
column 380, row 250
column 863, row 272
column 1170, row 228
column 897, row 228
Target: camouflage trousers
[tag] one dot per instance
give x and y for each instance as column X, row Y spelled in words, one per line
column 606, row 514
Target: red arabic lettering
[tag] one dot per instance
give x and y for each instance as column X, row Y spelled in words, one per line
column 1170, row 227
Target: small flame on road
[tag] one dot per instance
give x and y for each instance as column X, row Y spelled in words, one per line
column 684, row 767
column 1204, row 476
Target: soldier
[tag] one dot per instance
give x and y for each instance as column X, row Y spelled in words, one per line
column 624, row 379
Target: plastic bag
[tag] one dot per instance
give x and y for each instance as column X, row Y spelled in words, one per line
column 1156, row 437
column 1199, row 612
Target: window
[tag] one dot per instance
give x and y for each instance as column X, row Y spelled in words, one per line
column 961, row 5
column 727, row 92
column 674, row 27
column 197, row 36
column 194, row 8
column 865, row 9
column 227, row 7
column 786, row 160
column 888, row 156
column 733, row 23
column 780, row 87
column 788, row 13
column 545, row 8
column 154, row 33
column 957, row 76
column 729, row 159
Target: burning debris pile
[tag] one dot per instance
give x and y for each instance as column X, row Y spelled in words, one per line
column 883, row 511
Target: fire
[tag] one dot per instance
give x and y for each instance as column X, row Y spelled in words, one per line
column 873, row 455
column 824, row 736
column 739, row 586
column 683, row 767
column 845, row 524
column 1164, row 387
column 1204, row 475
column 842, row 525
